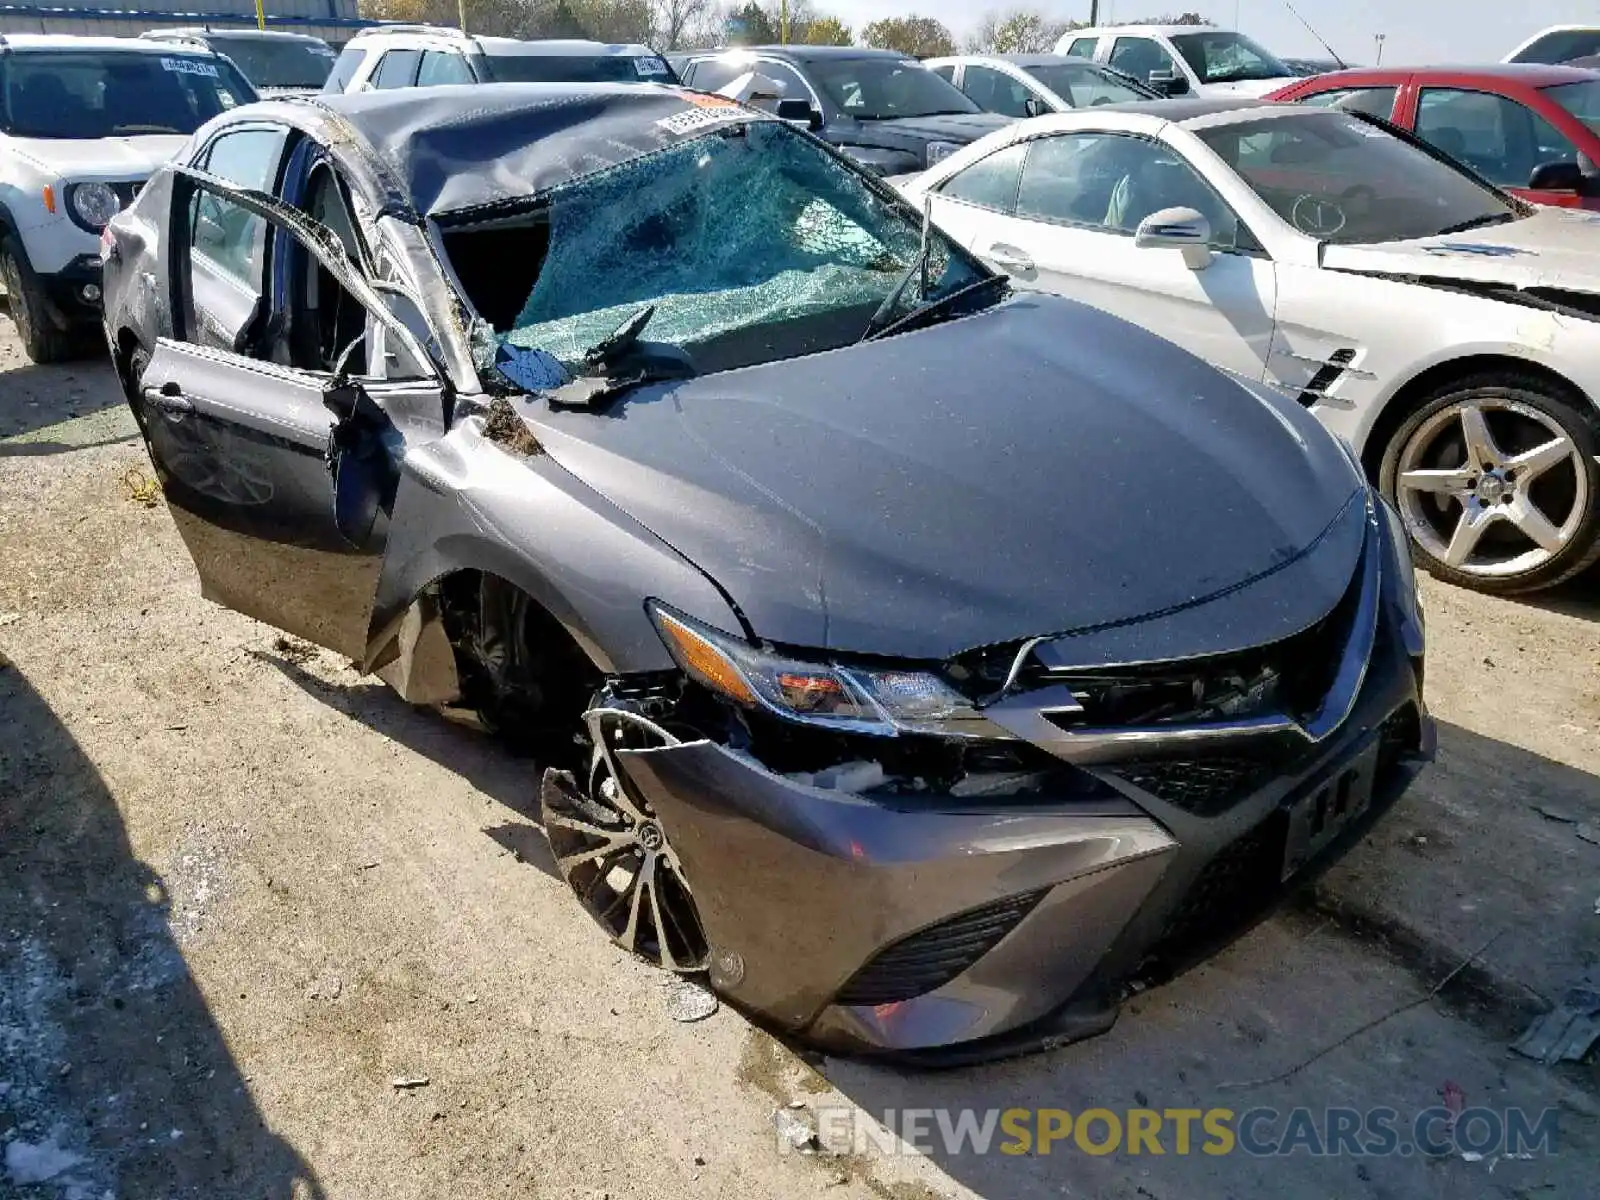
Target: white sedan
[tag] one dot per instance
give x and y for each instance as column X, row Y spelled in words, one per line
column 1449, row 332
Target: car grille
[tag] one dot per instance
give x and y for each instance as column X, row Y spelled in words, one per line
column 1232, row 890
column 1202, row 786
column 1290, row 677
column 934, row 956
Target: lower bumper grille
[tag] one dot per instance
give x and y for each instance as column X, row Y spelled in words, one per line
column 1399, row 735
column 1202, row 786
column 1230, row 892
column 932, row 957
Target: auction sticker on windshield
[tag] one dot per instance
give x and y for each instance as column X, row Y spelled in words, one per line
column 190, row 66
column 707, row 111
column 650, row 66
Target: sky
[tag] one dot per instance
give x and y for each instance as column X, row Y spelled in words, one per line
column 1416, row 32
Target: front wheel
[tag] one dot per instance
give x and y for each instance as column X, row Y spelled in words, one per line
column 1497, row 481
column 614, row 852
column 41, row 339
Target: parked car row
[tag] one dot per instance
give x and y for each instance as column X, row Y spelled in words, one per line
column 1445, row 330
column 928, row 664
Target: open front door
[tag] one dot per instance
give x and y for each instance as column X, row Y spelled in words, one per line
column 245, row 440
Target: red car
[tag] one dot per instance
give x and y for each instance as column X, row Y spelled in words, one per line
column 1531, row 129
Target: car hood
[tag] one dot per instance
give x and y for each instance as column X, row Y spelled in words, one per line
column 913, row 133
column 88, row 160
column 1552, row 248
column 1255, row 88
column 1033, row 468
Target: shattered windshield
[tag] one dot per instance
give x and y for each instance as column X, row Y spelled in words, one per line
column 752, row 244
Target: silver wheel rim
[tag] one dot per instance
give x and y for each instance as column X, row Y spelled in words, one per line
column 615, row 855
column 1492, row 488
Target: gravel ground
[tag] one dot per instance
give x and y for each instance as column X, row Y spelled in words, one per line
column 245, row 891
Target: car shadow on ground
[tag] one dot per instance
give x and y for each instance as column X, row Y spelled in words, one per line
column 479, row 758
column 37, row 397
column 114, row 1077
column 1578, row 597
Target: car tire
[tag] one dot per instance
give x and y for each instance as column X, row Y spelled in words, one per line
column 1484, row 510
column 41, row 339
column 616, row 854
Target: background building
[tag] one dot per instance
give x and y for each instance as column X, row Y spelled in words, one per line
column 334, row 20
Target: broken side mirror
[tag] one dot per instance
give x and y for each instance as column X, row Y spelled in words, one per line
column 799, row 112
column 363, row 476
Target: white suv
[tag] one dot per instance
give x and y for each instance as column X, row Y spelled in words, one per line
column 83, row 123
column 1182, row 60
column 396, row 56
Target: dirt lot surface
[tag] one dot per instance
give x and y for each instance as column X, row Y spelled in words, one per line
column 243, row 892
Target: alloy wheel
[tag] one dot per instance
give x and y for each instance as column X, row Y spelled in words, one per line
column 1491, row 487
column 614, row 853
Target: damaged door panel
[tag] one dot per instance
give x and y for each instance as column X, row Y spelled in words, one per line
column 281, row 476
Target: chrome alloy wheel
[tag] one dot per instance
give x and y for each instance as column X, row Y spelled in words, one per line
column 614, row 854
column 1492, row 487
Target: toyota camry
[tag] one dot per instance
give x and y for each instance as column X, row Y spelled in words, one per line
column 924, row 665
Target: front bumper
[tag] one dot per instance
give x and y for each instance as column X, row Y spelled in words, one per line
column 73, row 293
column 950, row 930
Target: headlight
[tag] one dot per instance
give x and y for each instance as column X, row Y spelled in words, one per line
column 869, row 700
column 92, row 205
column 939, row 151
column 1405, row 577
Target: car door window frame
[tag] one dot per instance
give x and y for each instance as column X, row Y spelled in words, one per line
column 321, row 243
column 396, row 52
column 1006, row 79
column 1244, row 241
column 262, row 268
column 460, row 60
column 1018, row 148
column 1179, row 69
column 1528, row 112
column 792, row 69
column 1335, row 97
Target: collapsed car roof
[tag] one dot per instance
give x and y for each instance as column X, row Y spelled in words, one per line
column 461, row 148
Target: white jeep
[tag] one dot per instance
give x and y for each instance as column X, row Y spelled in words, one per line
column 83, row 123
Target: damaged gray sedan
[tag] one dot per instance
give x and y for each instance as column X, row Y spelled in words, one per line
column 927, row 665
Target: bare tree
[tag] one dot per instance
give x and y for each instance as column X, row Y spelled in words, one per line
column 673, row 20
column 918, row 37
column 1017, row 31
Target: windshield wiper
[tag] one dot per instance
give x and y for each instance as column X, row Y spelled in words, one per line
column 918, row 270
column 621, row 340
column 939, row 305
column 1477, row 223
column 591, row 391
column 623, row 362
